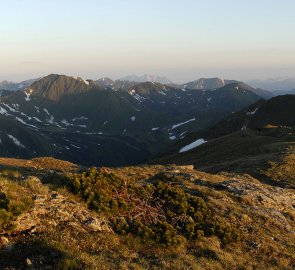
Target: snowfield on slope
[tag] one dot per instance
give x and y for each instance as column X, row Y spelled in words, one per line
column 192, row 145
column 16, row 141
column 183, row 123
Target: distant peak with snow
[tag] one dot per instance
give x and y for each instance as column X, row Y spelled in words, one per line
column 207, row 83
column 146, row 78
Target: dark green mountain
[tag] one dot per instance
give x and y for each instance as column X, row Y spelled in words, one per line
column 54, row 87
column 123, row 125
column 257, row 140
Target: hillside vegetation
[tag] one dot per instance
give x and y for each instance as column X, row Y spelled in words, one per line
column 143, row 217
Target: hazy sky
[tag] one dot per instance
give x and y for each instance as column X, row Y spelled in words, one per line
column 180, row 39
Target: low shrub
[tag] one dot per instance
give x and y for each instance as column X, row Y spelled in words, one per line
column 159, row 212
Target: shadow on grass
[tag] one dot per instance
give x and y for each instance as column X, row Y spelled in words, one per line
column 37, row 253
column 56, row 181
column 206, row 253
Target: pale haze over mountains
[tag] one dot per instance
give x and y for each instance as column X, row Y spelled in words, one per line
column 281, row 85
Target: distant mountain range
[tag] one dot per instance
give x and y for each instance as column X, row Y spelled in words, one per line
column 12, row 86
column 207, row 83
column 277, row 85
column 131, row 80
column 229, row 126
column 110, row 122
column 146, row 78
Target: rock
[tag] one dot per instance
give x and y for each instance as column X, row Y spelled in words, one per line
column 53, row 209
column 97, row 225
column 253, row 244
column 265, row 200
column 4, row 241
column 29, row 262
column 186, row 167
column 177, row 169
column 54, row 195
column 77, row 227
column 39, row 198
column 33, row 179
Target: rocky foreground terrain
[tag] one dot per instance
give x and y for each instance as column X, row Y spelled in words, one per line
column 47, row 225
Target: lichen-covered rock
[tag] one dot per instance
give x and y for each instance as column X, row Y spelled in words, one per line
column 52, row 210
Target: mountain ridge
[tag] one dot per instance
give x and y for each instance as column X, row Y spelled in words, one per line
column 66, row 111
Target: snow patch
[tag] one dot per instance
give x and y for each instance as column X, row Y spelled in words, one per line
column 75, row 146
column 23, row 114
column 183, row 123
column 136, row 96
column 21, row 120
column 24, row 123
column 16, row 106
column 11, row 109
column 16, row 141
column 45, row 110
column 86, row 82
column 51, row 120
column 80, row 118
column 37, row 109
column 81, row 80
column 28, row 94
column 182, row 134
column 65, row 122
column 253, row 112
column 3, row 111
column 37, row 119
column 192, row 145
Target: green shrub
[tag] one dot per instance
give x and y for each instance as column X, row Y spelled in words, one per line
column 160, row 212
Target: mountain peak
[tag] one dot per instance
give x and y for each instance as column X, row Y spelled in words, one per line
column 54, row 86
column 207, row 83
column 147, row 78
column 105, row 79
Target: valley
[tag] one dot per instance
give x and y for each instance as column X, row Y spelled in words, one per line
column 59, row 116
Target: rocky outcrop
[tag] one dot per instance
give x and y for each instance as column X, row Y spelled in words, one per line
column 52, row 210
column 263, row 199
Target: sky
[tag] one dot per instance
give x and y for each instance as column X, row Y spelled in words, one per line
column 180, row 39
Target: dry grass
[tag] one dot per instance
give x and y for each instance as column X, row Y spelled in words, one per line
column 39, row 164
column 284, row 169
column 14, row 200
column 266, row 245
